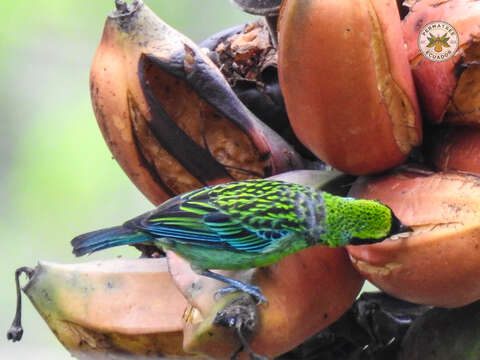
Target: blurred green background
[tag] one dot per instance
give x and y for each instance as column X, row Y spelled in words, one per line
column 58, row 177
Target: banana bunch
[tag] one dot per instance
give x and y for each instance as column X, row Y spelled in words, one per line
column 335, row 81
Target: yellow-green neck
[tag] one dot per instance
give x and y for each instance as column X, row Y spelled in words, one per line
column 348, row 218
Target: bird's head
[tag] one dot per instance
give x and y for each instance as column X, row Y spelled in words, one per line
column 376, row 222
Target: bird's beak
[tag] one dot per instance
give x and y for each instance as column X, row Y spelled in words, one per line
column 398, row 227
column 404, row 228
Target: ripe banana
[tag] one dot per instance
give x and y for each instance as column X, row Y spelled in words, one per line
column 347, row 84
column 168, row 115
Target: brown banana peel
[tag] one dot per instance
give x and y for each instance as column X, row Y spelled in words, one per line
column 438, row 263
column 168, row 115
column 347, row 84
column 111, row 309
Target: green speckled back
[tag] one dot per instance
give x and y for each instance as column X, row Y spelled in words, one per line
column 266, row 204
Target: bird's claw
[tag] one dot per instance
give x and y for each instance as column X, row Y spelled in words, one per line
column 252, row 356
column 241, row 315
column 234, row 286
column 251, row 290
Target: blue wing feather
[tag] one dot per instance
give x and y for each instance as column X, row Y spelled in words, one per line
column 193, row 218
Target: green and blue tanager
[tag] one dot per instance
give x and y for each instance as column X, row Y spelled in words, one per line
column 248, row 224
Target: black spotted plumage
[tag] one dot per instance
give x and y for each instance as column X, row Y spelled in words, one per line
column 244, row 216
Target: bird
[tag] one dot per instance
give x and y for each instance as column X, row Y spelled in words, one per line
column 248, row 224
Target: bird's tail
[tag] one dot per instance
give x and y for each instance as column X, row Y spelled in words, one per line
column 106, row 238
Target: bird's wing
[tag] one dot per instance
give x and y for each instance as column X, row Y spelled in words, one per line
column 218, row 218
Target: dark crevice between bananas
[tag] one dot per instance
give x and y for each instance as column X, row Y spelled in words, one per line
column 247, row 59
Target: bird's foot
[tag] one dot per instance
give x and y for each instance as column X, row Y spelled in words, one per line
column 251, row 290
column 241, row 315
column 234, row 285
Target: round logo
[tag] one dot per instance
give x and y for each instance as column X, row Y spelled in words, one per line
column 438, row 41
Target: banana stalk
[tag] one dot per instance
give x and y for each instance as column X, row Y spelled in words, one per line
column 264, row 7
column 267, row 8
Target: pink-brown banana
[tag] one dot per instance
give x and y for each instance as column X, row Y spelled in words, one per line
column 438, row 263
column 450, row 90
column 347, row 84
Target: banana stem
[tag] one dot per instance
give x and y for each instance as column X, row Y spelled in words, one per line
column 271, row 22
column 121, row 5
column 123, row 8
column 16, row 331
column 269, row 9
